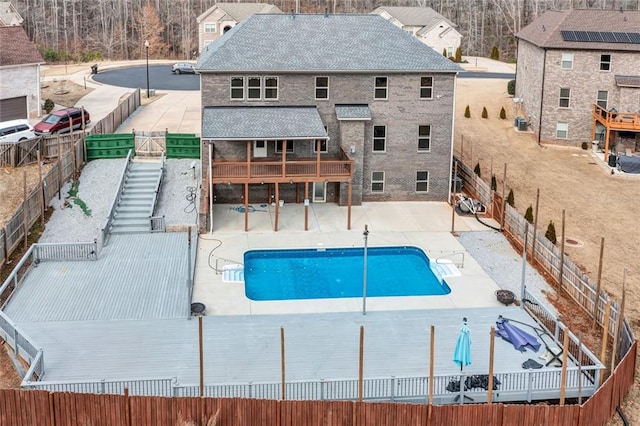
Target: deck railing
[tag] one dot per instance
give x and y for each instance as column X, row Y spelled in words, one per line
column 615, row 119
column 66, row 251
column 239, row 169
column 104, row 232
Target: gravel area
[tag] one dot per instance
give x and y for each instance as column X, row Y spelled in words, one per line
column 503, row 264
column 96, row 189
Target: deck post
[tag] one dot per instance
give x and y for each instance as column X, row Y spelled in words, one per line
column 349, row 192
column 283, row 395
column 492, row 340
column 432, row 345
column 361, row 365
column 246, row 207
column 306, row 205
column 275, row 225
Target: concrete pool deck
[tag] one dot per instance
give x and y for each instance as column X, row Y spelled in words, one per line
column 426, row 225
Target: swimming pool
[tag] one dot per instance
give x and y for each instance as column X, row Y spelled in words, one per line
column 292, row 274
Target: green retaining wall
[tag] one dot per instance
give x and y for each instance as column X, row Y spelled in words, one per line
column 115, row 145
column 183, row 145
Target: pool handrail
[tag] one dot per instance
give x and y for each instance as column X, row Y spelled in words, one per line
column 449, row 256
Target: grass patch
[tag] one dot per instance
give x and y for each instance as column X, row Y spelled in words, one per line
column 73, row 196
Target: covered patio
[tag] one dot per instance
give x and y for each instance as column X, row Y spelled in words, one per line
column 272, row 146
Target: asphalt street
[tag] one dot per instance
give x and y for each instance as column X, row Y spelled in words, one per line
column 160, row 78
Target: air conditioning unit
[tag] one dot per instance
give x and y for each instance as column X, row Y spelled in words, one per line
column 523, row 125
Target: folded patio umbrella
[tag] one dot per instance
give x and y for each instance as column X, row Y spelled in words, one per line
column 462, row 352
column 520, row 339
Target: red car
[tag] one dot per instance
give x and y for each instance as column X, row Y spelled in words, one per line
column 59, row 121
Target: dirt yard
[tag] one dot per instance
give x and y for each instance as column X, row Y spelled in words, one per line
column 596, row 203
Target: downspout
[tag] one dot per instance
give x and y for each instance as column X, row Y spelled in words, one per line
column 453, row 120
column 544, row 65
column 210, row 188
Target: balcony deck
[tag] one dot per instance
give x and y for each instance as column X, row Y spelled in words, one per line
column 272, row 170
column 613, row 120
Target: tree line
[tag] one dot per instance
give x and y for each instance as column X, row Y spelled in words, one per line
column 86, row 30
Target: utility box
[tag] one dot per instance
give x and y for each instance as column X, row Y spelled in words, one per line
column 523, row 125
column 456, row 184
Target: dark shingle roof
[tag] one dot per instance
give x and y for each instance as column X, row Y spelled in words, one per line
column 545, row 30
column 240, row 11
column 262, row 123
column 353, row 112
column 628, row 80
column 415, row 16
column 17, row 49
column 307, row 43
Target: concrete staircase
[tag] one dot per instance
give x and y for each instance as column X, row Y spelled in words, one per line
column 137, row 198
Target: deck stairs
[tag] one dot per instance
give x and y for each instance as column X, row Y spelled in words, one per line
column 137, row 198
column 233, row 273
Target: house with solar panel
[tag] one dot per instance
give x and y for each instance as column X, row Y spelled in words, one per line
column 578, row 77
column 427, row 25
column 306, row 109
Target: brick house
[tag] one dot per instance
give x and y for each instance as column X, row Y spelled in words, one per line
column 426, row 25
column 221, row 17
column 20, row 64
column 324, row 108
column 578, row 76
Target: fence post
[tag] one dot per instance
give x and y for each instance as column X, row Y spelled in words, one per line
column 322, row 384
column 393, row 388
column 598, row 285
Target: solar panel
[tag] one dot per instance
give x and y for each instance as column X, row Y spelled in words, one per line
column 622, row 37
column 568, row 35
column 594, row 36
column 635, row 37
column 608, row 37
column 581, row 35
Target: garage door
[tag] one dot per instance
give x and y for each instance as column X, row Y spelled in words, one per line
column 13, row 108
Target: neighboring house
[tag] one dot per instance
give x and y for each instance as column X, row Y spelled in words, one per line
column 9, row 15
column 221, row 17
column 304, row 115
column 578, row 76
column 19, row 75
column 426, row 25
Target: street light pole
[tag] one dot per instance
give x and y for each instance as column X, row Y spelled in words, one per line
column 364, row 273
column 146, row 47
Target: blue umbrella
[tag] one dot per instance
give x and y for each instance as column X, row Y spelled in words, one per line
column 462, row 353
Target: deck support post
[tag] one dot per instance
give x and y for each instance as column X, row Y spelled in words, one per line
column 349, row 192
column 306, row 205
column 246, row 207
column 275, row 225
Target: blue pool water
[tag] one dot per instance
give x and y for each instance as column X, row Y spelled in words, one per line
column 337, row 273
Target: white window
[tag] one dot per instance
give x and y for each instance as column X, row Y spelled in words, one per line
column 324, row 147
column 377, row 181
column 322, row 87
column 562, row 130
column 422, row 181
column 426, row 87
column 603, row 98
column 237, row 87
column 424, row 138
column 289, row 145
column 605, row 62
column 209, row 27
column 565, row 95
column 254, row 87
column 381, row 88
column 567, row 61
column 379, row 138
column 271, row 87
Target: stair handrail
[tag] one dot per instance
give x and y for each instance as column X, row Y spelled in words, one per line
column 157, row 188
column 449, row 256
column 218, row 272
column 116, row 199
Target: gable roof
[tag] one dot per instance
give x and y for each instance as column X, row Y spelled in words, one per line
column 545, row 31
column 415, row 16
column 240, row 11
column 307, row 43
column 17, row 49
column 9, row 15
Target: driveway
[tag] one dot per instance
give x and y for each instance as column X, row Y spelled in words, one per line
column 160, row 78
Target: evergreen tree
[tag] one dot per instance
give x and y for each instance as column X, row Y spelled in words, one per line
column 551, row 233
column 503, row 113
column 476, row 169
column 529, row 214
column 485, row 114
column 467, row 112
column 511, row 199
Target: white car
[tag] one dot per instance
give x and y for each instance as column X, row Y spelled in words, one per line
column 183, row 68
column 16, row 131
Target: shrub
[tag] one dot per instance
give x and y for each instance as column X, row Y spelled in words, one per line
column 511, row 199
column 467, row 112
column 494, row 183
column 495, row 53
column 503, row 113
column 476, row 169
column 511, row 87
column 485, row 114
column 585, row 145
column 529, row 214
column 444, row 52
column 458, row 55
column 51, row 55
column 551, row 233
column 48, row 105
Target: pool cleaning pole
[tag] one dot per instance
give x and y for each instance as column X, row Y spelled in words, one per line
column 364, row 273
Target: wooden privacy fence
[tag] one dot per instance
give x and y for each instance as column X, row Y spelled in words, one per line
column 73, row 149
column 44, row 408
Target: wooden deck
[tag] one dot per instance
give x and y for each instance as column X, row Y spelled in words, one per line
column 619, row 121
